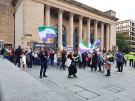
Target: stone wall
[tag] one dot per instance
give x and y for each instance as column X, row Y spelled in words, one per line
column 33, row 18
column 6, row 22
column 19, row 25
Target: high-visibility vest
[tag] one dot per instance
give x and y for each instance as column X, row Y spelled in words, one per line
column 131, row 56
column 126, row 57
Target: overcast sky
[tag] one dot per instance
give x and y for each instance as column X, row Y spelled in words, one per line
column 125, row 9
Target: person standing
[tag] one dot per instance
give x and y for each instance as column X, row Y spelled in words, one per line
column 125, row 59
column 84, row 55
column 52, row 57
column 63, row 59
column 100, row 61
column 29, row 59
column 120, row 60
column 94, row 62
column 130, row 56
column 58, row 57
column 72, row 70
column 24, row 61
column 43, row 61
column 107, row 65
column 2, row 52
column 76, row 57
column 18, row 53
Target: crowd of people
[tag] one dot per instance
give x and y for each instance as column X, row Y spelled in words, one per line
column 63, row 59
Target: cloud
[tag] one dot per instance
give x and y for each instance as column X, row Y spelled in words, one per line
column 124, row 8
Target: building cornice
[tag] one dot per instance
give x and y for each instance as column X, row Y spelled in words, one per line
column 91, row 9
column 83, row 6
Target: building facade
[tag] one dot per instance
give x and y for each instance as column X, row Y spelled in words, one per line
column 6, row 22
column 128, row 28
column 73, row 20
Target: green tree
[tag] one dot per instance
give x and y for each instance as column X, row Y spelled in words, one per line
column 122, row 42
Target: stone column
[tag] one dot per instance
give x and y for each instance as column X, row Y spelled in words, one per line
column 80, row 28
column 60, row 28
column 110, row 37
column 107, row 37
column 88, row 31
column 102, row 36
column 95, row 29
column 47, row 15
column 71, row 30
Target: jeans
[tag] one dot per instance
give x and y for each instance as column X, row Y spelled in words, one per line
column 43, row 70
column 120, row 66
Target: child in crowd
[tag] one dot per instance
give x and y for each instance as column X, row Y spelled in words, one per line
column 24, row 61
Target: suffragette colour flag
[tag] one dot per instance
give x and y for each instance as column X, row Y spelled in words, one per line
column 46, row 32
column 96, row 44
column 83, row 46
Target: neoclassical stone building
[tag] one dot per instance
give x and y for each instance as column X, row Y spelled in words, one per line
column 73, row 20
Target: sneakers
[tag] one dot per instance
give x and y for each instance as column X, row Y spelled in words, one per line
column 45, row 76
column 69, row 76
column 107, row 75
column 40, row 77
column 74, row 76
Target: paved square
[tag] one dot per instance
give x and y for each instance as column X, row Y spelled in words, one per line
column 90, row 86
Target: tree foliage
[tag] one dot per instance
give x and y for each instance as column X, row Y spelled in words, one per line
column 122, row 42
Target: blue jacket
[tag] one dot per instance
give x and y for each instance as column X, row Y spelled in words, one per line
column 120, row 57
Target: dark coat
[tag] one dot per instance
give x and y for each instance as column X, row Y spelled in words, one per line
column 94, row 59
column 43, row 58
column 72, row 68
column 29, row 57
column 63, row 57
column 18, row 53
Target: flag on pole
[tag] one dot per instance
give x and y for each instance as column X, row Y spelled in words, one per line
column 96, row 44
column 83, row 46
column 46, row 32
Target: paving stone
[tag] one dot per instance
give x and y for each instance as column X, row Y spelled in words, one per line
column 75, row 89
column 114, row 88
column 87, row 94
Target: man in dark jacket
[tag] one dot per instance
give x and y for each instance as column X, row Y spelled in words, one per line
column 43, row 61
column 63, row 60
column 2, row 51
column 94, row 62
column 29, row 59
column 18, row 53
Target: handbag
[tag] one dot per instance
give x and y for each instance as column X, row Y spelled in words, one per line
column 68, row 62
